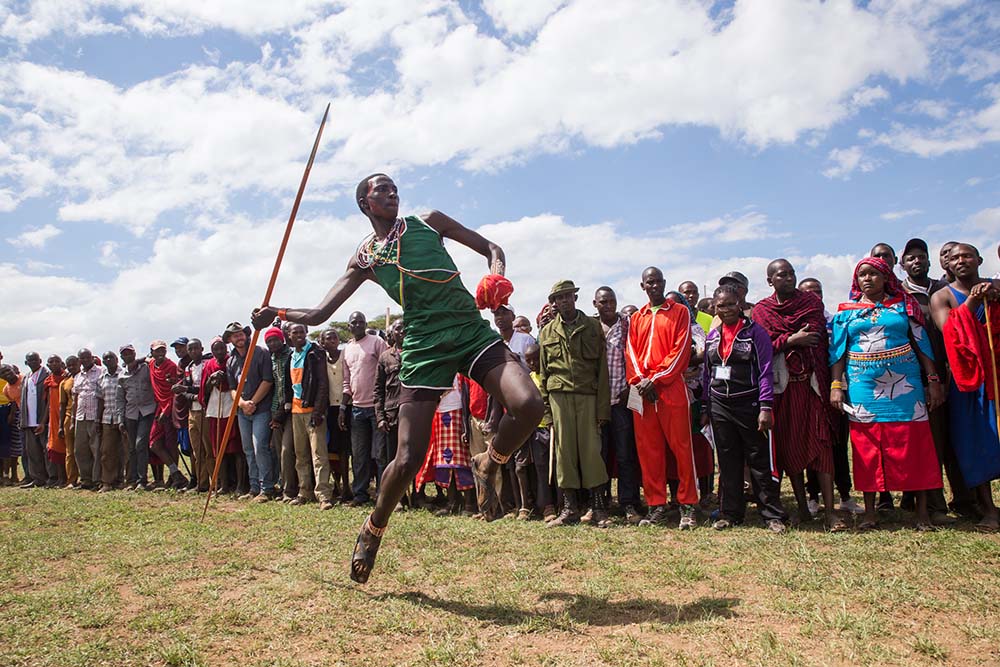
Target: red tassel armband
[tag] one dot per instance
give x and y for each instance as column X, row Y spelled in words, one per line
column 493, row 291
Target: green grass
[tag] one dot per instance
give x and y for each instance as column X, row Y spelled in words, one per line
column 126, row 579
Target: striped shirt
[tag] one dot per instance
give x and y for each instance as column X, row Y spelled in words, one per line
column 615, row 337
column 86, row 385
column 109, row 394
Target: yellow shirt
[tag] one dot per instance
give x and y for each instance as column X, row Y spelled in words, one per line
column 3, row 397
column 537, row 379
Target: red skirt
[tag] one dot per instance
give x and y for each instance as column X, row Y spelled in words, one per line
column 447, row 452
column 894, row 456
column 216, row 429
column 802, row 434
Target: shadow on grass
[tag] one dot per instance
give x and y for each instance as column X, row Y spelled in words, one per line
column 581, row 609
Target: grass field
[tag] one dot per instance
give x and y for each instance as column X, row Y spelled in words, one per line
column 136, row 579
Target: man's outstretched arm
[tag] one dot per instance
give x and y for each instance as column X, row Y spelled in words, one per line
column 345, row 286
column 453, row 229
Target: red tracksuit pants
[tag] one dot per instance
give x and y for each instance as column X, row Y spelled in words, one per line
column 659, row 427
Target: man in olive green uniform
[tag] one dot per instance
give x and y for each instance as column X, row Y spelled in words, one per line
column 574, row 377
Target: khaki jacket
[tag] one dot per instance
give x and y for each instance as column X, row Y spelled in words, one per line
column 576, row 364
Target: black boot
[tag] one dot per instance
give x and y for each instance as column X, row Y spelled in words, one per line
column 599, row 508
column 570, row 513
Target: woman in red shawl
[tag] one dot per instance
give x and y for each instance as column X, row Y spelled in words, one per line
column 164, row 374
column 803, row 434
column 216, row 396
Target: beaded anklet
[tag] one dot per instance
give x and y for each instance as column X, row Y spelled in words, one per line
column 496, row 456
column 371, row 528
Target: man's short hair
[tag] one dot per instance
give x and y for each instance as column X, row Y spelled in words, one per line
column 362, row 190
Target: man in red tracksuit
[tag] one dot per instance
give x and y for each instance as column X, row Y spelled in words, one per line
column 657, row 354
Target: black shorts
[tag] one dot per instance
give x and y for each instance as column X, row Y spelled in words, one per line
column 495, row 355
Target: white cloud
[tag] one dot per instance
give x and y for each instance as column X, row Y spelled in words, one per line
column 899, row 215
column 845, row 161
column 221, row 273
column 974, row 181
column 969, row 129
column 107, row 255
column 868, row 96
column 980, row 64
column 519, row 17
column 986, row 220
column 42, row 18
column 936, row 109
column 36, row 238
column 452, row 93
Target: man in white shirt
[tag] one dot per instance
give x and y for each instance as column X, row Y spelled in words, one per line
column 34, row 406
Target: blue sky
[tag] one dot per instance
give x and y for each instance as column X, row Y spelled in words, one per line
column 149, row 155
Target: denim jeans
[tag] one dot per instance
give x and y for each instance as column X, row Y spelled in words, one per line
column 385, row 450
column 364, row 433
column 618, row 440
column 255, row 434
column 137, row 434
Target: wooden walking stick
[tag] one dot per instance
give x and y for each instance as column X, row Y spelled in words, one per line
column 993, row 364
column 267, row 297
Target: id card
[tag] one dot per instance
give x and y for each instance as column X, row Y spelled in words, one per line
column 723, row 372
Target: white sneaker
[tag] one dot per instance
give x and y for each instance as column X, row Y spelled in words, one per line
column 813, row 507
column 850, row 505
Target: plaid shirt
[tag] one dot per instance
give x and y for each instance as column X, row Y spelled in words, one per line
column 109, row 394
column 86, row 385
column 615, row 340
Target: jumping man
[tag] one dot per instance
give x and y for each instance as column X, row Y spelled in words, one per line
column 445, row 334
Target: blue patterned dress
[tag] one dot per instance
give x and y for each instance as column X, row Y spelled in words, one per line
column 883, row 373
column 891, row 442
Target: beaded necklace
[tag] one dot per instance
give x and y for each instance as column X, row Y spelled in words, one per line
column 373, row 252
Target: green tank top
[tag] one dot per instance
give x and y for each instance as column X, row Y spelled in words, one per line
column 416, row 271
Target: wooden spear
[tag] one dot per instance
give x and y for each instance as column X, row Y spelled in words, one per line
column 267, row 298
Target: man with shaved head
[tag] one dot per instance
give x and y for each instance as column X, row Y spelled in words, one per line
column 803, row 431
column 656, row 356
column 918, row 283
column 618, row 436
column 361, row 355
column 943, row 260
column 690, row 292
column 86, row 428
column 961, row 311
column 34, row 405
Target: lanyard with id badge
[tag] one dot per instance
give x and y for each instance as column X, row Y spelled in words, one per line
column 725, row 371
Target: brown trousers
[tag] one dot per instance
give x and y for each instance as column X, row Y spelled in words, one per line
column 72, row 472
column 202, row 460
column 86, row 441
column 111, row 454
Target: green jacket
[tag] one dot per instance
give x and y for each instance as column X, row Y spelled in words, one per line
column 577, row 364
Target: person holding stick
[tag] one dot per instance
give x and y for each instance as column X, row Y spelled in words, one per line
column 445, row 334
column 968, row 315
